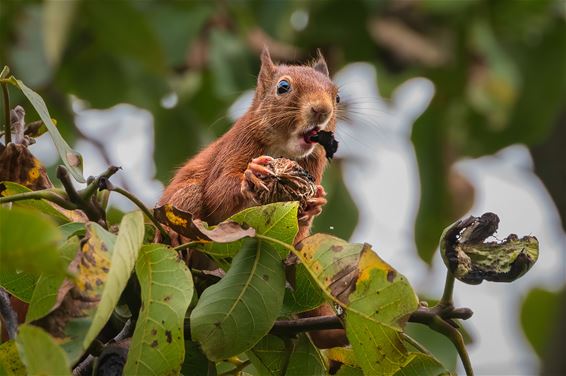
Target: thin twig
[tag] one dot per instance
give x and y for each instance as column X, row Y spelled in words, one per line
column 40, row 195
column 8, row 315
column 142, row 207
column 446, row 299
column 93, row 213
column 289, row 328
column 94, row 184
column 237, row 369
column 190, row 244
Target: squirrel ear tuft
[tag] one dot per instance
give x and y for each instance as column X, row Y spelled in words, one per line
column 320, row 64
column 267, row 67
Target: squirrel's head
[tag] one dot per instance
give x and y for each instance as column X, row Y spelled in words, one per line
column 291, row 104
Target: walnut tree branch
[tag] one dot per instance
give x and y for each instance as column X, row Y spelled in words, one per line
column 8, row 315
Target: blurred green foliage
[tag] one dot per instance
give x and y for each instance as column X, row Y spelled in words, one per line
column 499, row 68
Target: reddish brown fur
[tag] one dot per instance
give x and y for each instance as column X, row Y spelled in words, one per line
column 208, row 185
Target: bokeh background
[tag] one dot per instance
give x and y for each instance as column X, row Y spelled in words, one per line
column 451, row 107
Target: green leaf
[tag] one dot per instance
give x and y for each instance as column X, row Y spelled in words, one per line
column 40, row 353
column 544, row 306
column 8, row 188
column 124, row 256
column 235, row 313
column 47, row 287
column 132, row 42
column 306, row 294
column 195, row 361
column 19, row 251
column 72, row 228
column 71, row 159
column 10, row 363
column 270, row 355
column 278, row 221
column 375, row 298
column 19, row 284
column 157, row 346
column 169, row 21
column 57, row 20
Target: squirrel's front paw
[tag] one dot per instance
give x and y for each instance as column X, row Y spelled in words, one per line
column 251, row 182
column 314, row 206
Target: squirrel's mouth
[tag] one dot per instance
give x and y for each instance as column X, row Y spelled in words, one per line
column 307, row 136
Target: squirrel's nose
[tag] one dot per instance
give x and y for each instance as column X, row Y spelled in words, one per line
column 320, row 113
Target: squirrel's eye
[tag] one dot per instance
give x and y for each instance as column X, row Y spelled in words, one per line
column 283, row 87
column 337, row 98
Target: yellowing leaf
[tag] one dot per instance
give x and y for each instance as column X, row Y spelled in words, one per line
column 376, row 300
column 124, row 256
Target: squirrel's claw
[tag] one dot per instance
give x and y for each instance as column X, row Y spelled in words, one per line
column 251, row 181
column 314, row 206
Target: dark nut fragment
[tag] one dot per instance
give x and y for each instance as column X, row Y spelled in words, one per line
column 472, row 260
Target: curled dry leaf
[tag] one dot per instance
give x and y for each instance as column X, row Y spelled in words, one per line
column 184, row 223
column 472, row 260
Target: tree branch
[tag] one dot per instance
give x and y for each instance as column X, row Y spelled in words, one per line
column 105, row 184
column 40, row 195
column 8, row 315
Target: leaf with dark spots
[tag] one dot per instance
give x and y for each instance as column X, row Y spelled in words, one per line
column 343, row 283
column 336, row 248
column 154, row 343
column 160, row 276
column 17, row 164
column 391, row 275
column 376, row 300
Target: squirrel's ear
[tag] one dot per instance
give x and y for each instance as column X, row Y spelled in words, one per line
column 267, row 67
column 320, row 64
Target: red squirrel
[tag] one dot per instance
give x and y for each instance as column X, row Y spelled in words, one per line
column 291, row 103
